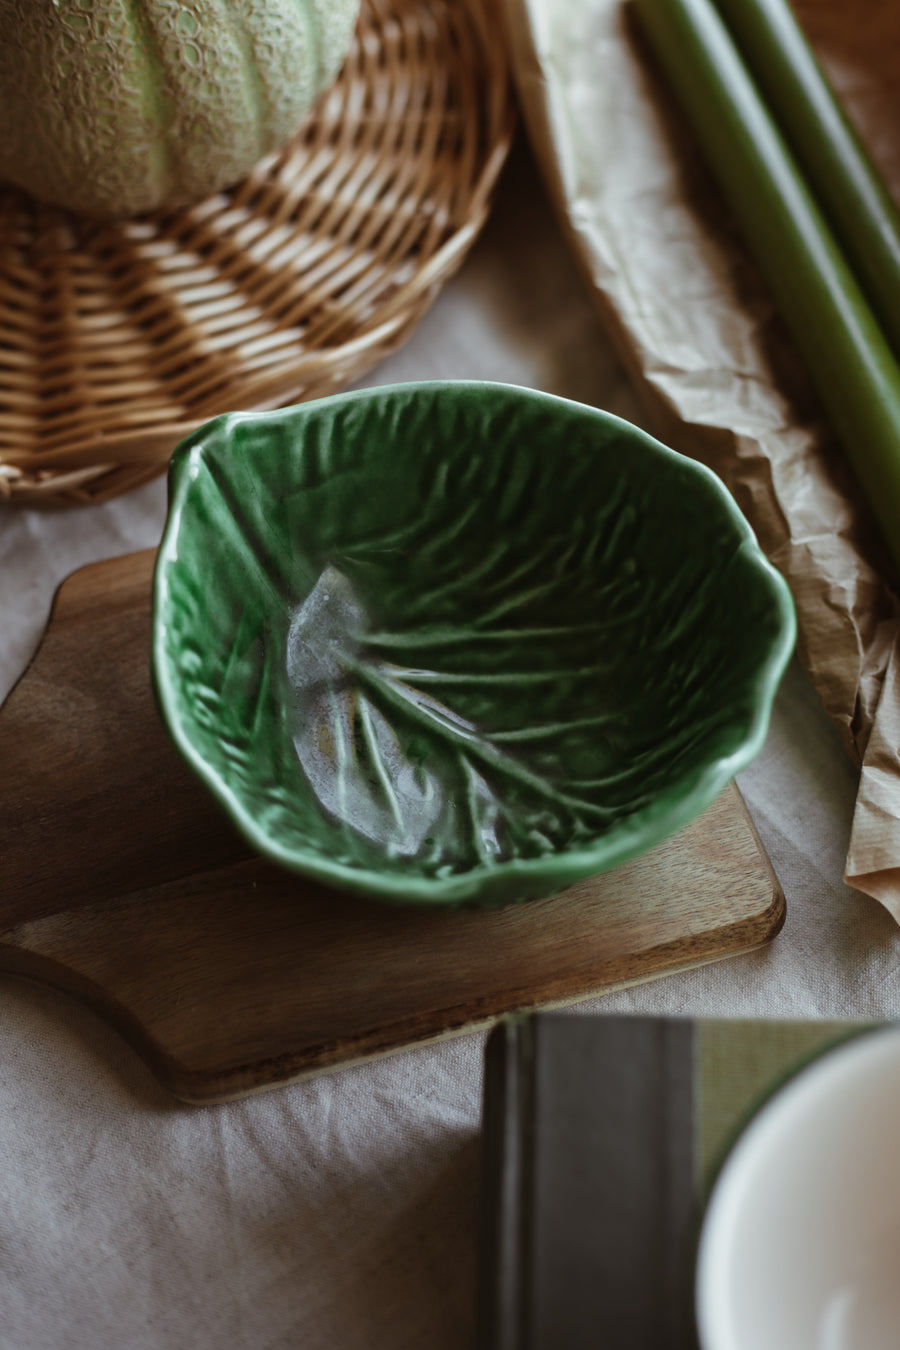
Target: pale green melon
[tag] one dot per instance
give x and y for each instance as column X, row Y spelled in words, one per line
column 118, row 106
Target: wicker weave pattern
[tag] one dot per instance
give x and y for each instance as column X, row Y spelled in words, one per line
column 118, row 339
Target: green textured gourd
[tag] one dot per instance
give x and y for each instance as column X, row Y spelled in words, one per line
column 114, row 107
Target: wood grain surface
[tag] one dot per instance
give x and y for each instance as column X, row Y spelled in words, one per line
column 125, row 884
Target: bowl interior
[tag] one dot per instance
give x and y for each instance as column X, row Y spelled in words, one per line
column 450, row 640
column 799, row 1246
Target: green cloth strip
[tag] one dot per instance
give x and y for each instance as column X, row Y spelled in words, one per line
column 838, row 337
column 739, row 1064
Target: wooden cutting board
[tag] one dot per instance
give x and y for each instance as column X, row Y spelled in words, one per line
column 124, row 884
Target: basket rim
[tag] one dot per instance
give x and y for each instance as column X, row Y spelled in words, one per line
column 102, row 449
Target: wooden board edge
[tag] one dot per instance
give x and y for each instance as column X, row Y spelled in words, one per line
column 207, row 1086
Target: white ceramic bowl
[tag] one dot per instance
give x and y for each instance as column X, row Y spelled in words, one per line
column 800, row 1247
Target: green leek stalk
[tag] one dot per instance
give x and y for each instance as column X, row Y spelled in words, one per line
column 838, row 337
column 837, row 167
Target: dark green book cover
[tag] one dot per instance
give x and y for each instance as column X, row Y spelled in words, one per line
column 602, row 1135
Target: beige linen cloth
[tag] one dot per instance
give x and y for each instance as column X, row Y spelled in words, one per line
column 341, row 1213
column 694, row 324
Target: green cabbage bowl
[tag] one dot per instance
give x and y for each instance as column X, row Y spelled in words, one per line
column 458, row 643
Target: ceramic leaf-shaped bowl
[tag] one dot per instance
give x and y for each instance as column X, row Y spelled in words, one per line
column 459, row 642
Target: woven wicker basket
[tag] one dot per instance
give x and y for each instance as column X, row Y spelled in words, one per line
column 118, row 339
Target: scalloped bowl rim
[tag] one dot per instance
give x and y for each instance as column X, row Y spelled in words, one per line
column 634, row 836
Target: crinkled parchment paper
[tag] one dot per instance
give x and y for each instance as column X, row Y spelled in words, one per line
column 698, row 332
